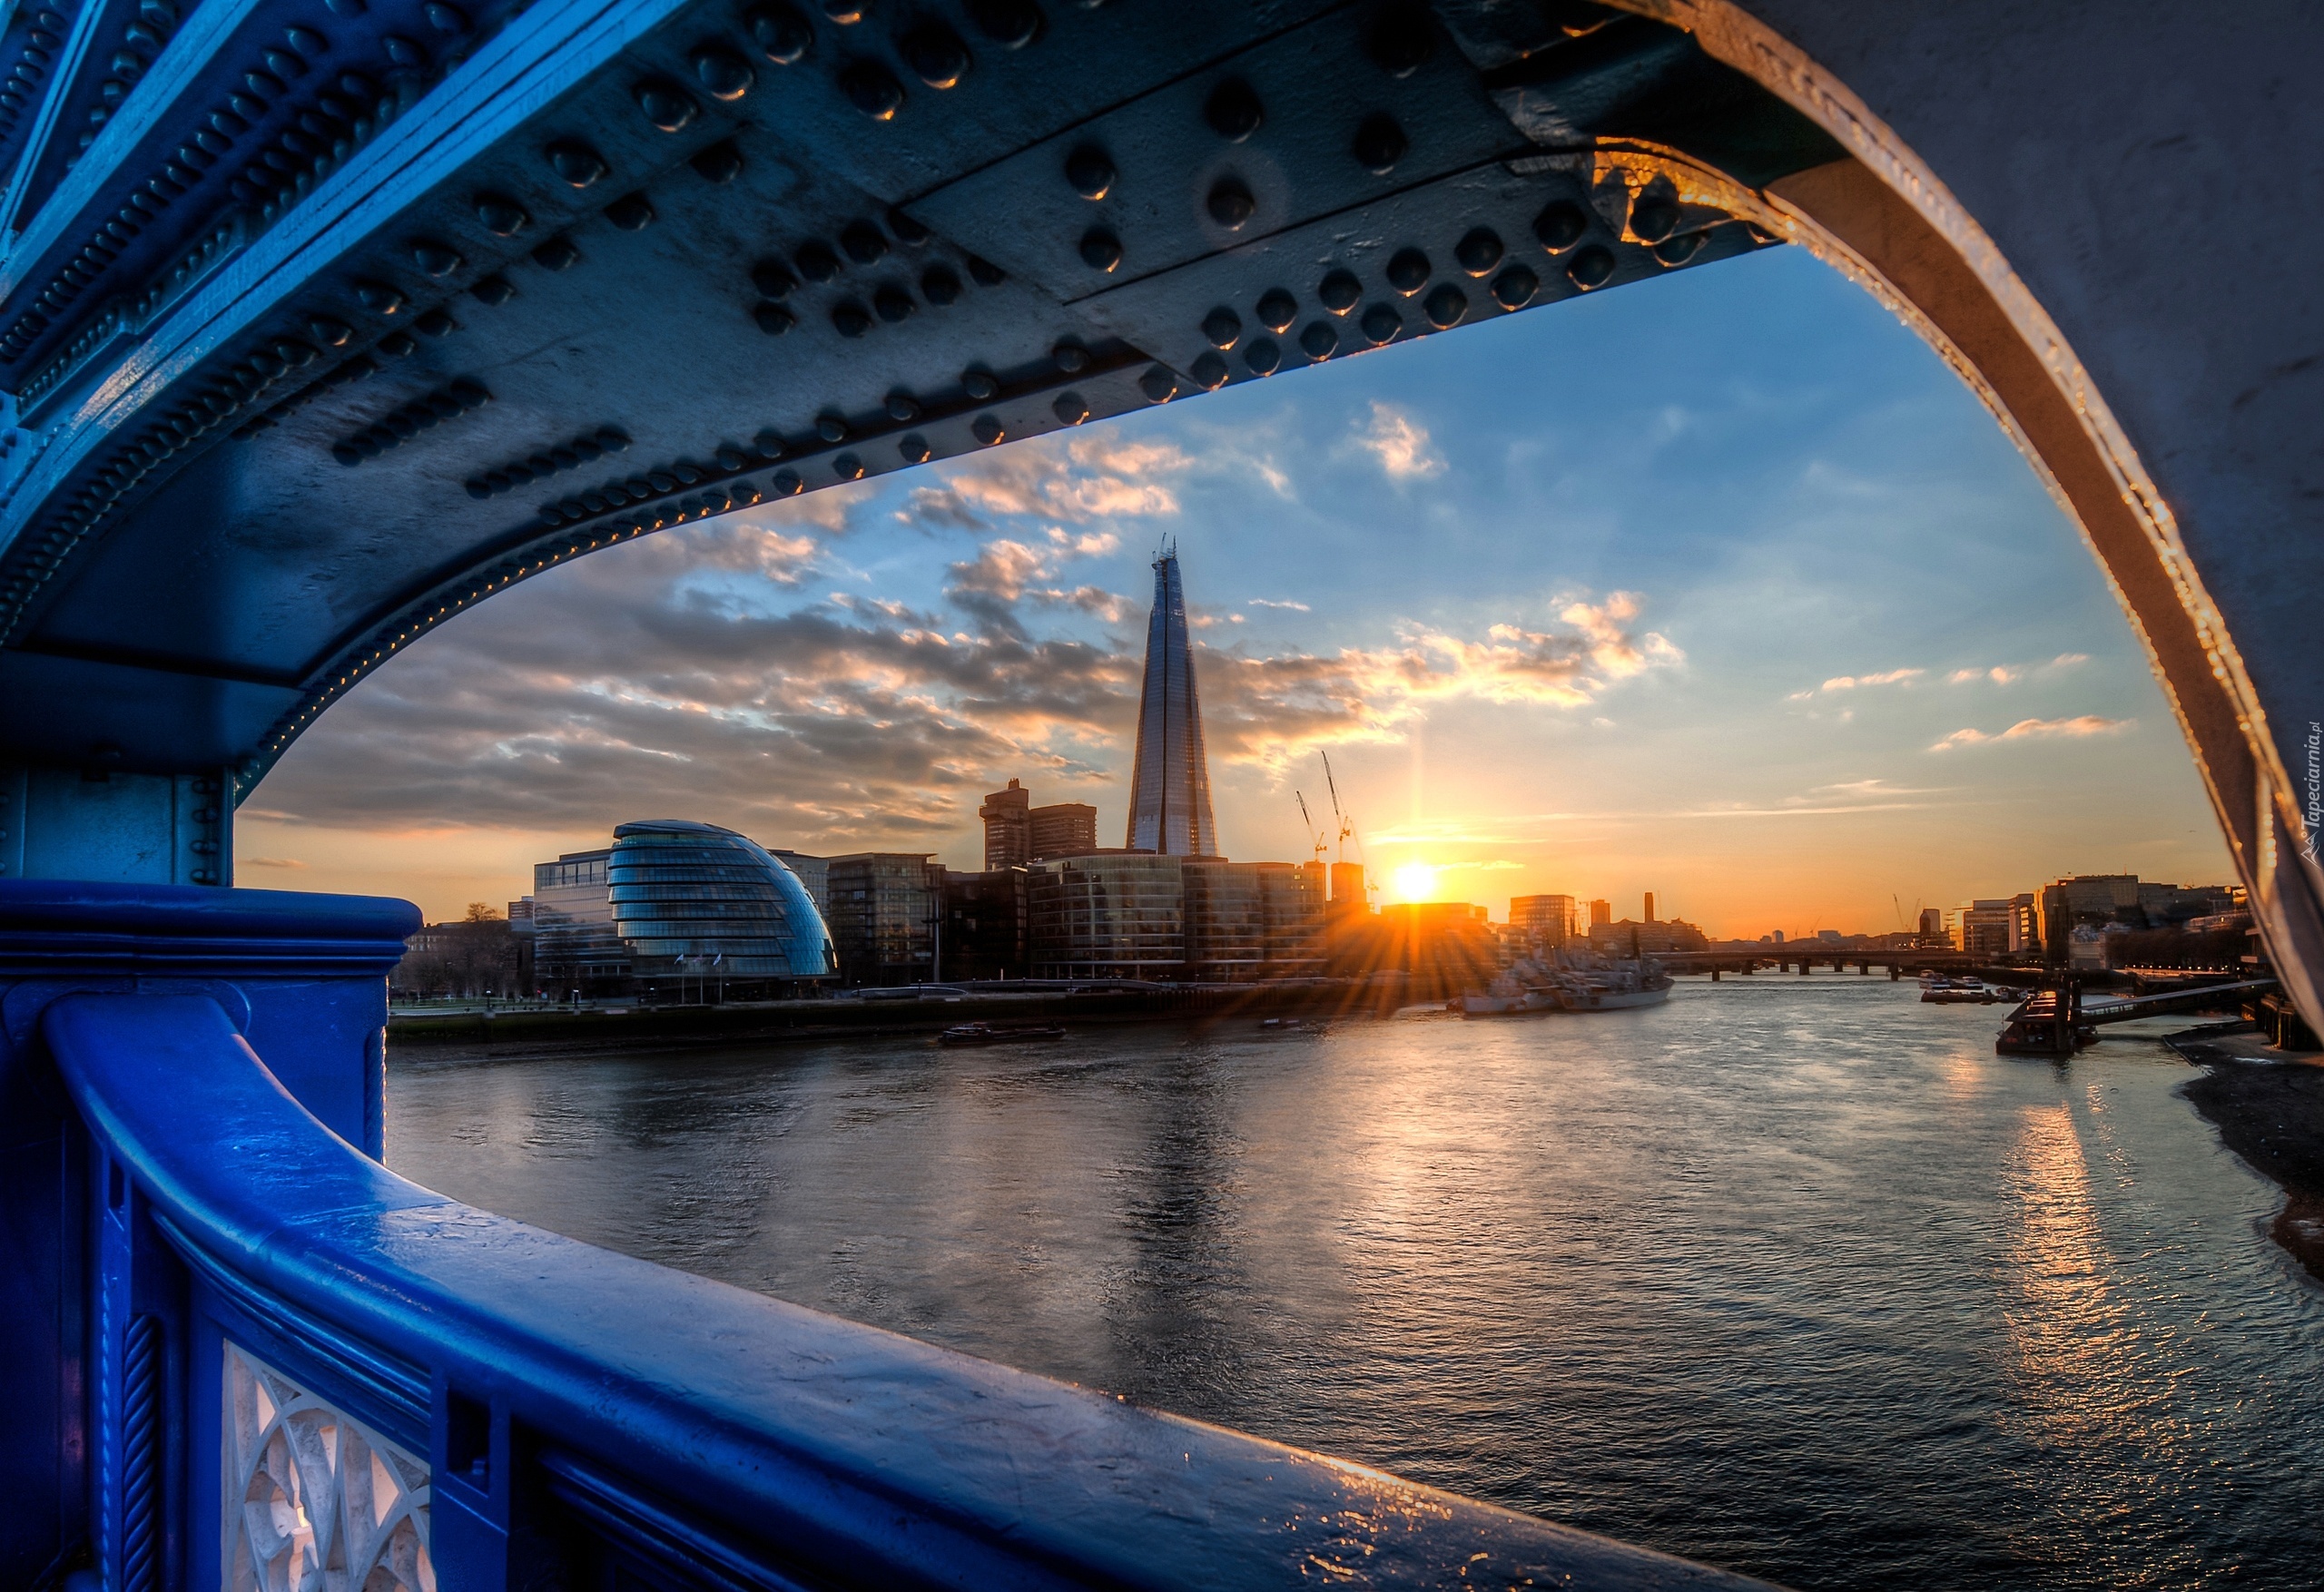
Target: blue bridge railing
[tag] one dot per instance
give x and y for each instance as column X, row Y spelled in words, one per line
column 293, row 1367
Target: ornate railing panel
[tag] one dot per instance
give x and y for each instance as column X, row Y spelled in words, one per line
column 310, row 1495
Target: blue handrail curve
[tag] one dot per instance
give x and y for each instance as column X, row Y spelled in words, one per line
column 751, row 1441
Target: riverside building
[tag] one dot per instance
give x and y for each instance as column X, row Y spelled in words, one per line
column 1016, row 832
column 696, row 903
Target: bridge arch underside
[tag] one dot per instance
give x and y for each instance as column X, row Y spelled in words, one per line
column 342, row 324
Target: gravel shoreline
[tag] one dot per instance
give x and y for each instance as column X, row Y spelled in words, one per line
column 2269, row 1108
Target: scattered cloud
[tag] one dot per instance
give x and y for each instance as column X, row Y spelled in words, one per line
column 2085, row 725
column 1267, row 602
column 1852, row 681
column 2068, row 660
column 1400, row 443
column 267, row 862
column 1074, row 478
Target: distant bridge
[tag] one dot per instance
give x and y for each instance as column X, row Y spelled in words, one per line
column 324, row 320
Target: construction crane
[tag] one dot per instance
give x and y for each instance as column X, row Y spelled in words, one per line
column 1347, row 827
column 1317, row 835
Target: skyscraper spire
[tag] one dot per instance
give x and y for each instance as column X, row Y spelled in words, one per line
column 1169, row 784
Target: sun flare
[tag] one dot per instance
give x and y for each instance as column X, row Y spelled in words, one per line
column 1416, row 881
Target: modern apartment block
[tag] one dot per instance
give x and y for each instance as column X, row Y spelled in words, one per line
column 1016, row 832
column 882, row 916
column 1550, row 920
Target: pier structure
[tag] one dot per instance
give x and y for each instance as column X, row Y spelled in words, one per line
column 322, row 321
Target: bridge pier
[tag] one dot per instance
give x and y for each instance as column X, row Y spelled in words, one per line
column 120, row 827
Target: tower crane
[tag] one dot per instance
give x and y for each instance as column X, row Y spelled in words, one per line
column 1314, row 835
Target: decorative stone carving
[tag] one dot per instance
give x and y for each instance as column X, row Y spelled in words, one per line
column 314, row 1500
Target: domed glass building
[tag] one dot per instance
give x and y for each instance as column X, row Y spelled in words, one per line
column 697, row 902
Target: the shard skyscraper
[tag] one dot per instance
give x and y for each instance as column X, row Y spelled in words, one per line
column 1169, row 785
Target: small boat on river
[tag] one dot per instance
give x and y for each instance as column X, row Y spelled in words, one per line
column 999, row 1034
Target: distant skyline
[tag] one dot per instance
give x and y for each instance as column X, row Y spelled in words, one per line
column 1720, row 586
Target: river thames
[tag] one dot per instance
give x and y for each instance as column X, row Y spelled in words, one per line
column 1794, row 1275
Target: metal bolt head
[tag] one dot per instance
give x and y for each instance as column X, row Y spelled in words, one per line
column 1479, row 251
column 1592, row 268
column 1277, row 309
column 1100, row 249
column 1379, row 144
column 1233, row 111
column 1381, row 323
column 1514, row 288
column 1445, row 306
column 1070, row 407
column 1230, row 203
column 1221, row 326
column 1408, row 272
column 1560, row 226
column 1339, row 292
column 664, row 104
column 1262, row 356
column 1090, row 172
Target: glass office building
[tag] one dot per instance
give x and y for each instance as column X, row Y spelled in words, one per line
column 1169, row 779
column 694, row 902
column 1112, row 915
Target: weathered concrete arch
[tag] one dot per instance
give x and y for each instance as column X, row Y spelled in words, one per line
column 286, row 338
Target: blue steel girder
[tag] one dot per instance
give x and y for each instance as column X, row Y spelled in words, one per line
column 456, row 298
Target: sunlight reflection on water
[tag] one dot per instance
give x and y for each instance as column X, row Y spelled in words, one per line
column 1792, row 1274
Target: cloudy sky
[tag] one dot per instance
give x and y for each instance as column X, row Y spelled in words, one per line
column 1720, row 586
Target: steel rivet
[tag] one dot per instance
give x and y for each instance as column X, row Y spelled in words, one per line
column 1011, row 23
column 1090, row 172
column 1071, row 409
column 783, row 35
column 1233, row 111
column 721, row 163
column 1222, row 326
column 333, row 333
column 774, row 319
column 576, row 163
column 1100, row 249
column 940, row 286
column 1678, row 249
column 1560, row 226
column 666, row 104
column 494, row 290
column 1070, row 358
column 1319, row 338
column 1211, row 371
column 1445, row 306
column 724, row 73
column 865, row 243
column 396, row 345
column 816, row 262
column 914, row 448
column 936, row 55
column 847, row 468
column 769, row 443
column 785, row 483
column 1159, row 384
column 1400, row 42
column 909, row 233
column 1262, row 356
column 379, row 297
column 985, row 273
column 893, row 305
column 1653, row 216
column 831, row 427
column 1379, row 144
column 1339, row 292
column 773, row 279
column 903, row 406
column 1514, row 288
column 1591, row 268
column 1479, row 251
column 1230, row 203
column 872, row 89
column 979, row 385
column 1277, row 309
column 557, row 254
column 502, row 217
column 1380, row 324
column 852, row 318
column 1408, row 272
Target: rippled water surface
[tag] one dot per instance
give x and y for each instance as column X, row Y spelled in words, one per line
column 1792, row 1274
